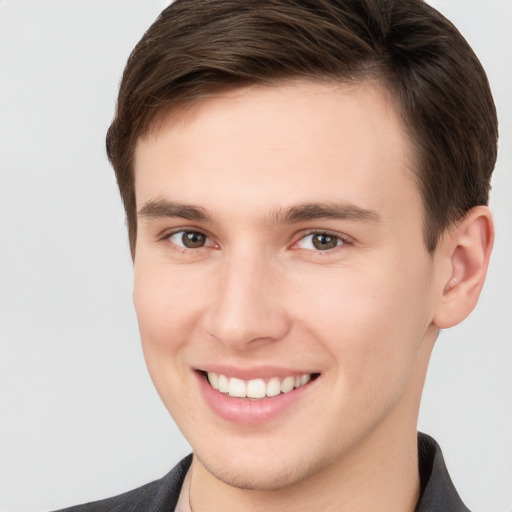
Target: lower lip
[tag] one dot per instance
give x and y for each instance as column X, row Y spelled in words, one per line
column 245, row 410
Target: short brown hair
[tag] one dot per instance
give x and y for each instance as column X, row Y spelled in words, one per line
column 196, row 47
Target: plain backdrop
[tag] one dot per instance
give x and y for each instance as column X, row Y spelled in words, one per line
column 79, row 418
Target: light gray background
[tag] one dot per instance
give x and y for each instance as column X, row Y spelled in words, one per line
column 79, row 417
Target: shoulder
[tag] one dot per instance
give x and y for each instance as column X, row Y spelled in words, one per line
column 155, row 496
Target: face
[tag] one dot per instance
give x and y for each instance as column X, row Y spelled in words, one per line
column 280, row 258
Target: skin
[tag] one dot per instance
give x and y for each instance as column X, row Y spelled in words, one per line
column 364, row 315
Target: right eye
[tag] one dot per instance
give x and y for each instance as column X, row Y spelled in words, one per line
column 187, row 239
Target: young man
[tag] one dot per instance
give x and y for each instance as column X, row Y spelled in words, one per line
column 305, row 185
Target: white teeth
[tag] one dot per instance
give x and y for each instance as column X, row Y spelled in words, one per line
column 223, row 384
column 273, row 387
column 287, row 385
column 256, row 388
column 214, row 380
column 304, row 379
column 237, row 388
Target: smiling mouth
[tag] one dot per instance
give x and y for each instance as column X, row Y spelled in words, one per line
column 257, row 389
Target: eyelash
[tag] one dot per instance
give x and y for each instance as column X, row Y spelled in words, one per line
column 342, row 240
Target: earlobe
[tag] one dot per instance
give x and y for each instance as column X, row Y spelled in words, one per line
column 469, row 245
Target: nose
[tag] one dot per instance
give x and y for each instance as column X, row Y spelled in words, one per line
column 246, row 310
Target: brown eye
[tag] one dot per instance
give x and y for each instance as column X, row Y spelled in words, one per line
column 322, row 241
column 192, row 239
column 189, row 239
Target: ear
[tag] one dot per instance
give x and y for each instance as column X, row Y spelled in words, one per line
column 467, row 247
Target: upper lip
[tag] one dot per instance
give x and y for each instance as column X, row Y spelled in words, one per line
column 255, row 372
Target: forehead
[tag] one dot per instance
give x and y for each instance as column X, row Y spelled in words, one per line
column 278, row 146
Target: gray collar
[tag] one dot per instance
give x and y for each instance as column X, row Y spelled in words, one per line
column 438, row 494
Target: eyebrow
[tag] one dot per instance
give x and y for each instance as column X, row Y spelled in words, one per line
column 300, row 213
column 164, row 208
column 328, row 210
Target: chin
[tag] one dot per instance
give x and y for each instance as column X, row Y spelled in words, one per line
column 254, row 478
column 260, row 474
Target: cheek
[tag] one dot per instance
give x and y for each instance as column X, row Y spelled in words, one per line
column 166, row 311
column 371, row 320
column 167, row 308
column 167, row 304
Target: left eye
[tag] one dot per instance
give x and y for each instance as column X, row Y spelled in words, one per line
column 189, row 239
column 320, row 241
